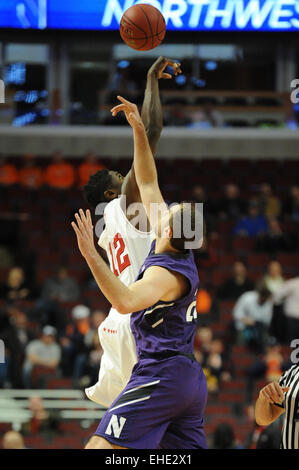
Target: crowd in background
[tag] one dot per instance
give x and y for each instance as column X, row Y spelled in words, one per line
column 185, row 110
column 59, row 174
column 264, row 316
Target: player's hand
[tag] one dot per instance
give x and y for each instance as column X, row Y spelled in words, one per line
column 157, row 69
column 84, row 232
column 273, row 393
column 130, row 110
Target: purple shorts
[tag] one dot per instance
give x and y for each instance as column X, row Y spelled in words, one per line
column 162, row 407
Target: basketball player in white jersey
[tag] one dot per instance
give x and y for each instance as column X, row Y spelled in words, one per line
column 126, row 245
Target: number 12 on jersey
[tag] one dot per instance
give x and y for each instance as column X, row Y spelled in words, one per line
column 119, row 259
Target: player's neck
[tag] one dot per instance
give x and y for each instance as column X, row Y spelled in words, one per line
column 163, row 245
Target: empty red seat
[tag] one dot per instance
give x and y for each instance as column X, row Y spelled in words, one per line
column 218, row 277
column 227, row 260
column 243, row 244
column 56, row 383
column 218, row 244
column 224, row 227
column 258, row 260
column 288, row 260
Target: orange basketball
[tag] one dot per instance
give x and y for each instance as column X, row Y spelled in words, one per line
column 142, row 27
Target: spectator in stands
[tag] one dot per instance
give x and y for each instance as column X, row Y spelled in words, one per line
column 235, row 286
column 10, row 371
column 31, row 175
column 224, row 437
column 199, row 195
column 8, row 173
column 213, row 363
column 203, row 339
column 13, row 440
column 41, row 352
column 206, row 257
column 62, row 288
column 269, row 366
column 122, row 81
column 275, row 240
column 97, row 318
column 269, row 204
column 253, row 225
column 44, row 423
column 94, row 359
column 206, row 118
column 20, row 323
column 252, row 316
column 231, row 206
column 289, row 295
column 273, row 279
column 291, row 121
column 89, row 167
column 207, row 307
column 59, row 174
column 178, row 117
column 75, row 349
column 16, row 286
column 291, row 205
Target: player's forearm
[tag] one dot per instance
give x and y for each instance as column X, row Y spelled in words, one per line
column 112, row 288
column 144, row 163
column 151, row 113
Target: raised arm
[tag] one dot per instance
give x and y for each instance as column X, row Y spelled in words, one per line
column 144, row 163
column 152, row 118
column 157, row 283
column 151, row 113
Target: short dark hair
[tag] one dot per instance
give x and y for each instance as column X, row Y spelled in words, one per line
column 95, row 188
column 177, row 218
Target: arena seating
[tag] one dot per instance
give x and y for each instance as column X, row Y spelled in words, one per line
column 79, row 416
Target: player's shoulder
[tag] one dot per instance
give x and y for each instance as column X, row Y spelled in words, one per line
column 112, row 207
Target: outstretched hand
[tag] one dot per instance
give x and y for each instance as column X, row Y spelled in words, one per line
column 130, row 110
column 157, row 69
column 84, row 233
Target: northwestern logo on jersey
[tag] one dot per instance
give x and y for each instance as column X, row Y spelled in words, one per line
column 115, row 426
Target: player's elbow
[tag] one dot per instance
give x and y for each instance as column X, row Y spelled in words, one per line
column 122, row 307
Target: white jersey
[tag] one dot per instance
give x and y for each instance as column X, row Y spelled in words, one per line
column 126, row 249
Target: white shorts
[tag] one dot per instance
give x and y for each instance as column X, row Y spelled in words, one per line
column 117, row 361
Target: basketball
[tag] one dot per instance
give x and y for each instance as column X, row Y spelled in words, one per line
column 142, row 27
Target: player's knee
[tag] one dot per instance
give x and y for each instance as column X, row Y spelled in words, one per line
column 98, row 442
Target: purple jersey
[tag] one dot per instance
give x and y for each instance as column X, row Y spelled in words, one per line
column 168, row 328
column 163, row 404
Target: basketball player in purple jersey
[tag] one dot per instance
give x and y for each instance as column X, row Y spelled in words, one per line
column 163, row 404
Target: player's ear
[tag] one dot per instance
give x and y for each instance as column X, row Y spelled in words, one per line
column 110, row 194
column 167, row 232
